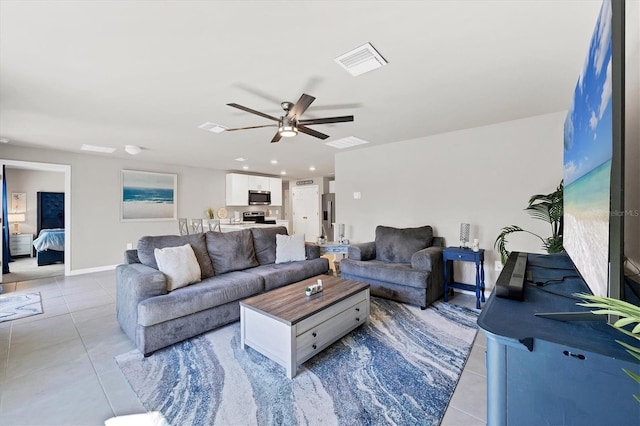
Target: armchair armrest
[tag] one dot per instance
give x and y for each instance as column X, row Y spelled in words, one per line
column 312, row 251
column 428, row 259
column 362, row 251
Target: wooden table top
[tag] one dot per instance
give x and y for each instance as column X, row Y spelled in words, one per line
column 290, row 305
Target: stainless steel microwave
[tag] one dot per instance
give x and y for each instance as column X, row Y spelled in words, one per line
column 259, row 198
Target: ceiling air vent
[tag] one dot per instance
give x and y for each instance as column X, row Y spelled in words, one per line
column 212, row 127
column 347, row 142
column 361, row 60
column 96, row 148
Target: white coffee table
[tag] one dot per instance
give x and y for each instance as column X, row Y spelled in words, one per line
column 289, row 327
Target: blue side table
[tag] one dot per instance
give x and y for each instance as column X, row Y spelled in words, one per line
column 461, row 254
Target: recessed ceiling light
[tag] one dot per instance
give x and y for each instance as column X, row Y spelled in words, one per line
column 241, row 159
column 4, row 140
column 274, row 161
column 347, row 142
column 312, row 168
column 283, row 172
column 96, row 148
column 245, row 167
column 361, row 60
column 212, row 127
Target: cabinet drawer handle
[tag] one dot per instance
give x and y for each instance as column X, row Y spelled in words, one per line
column 357, row 319
column 314, row 334
column 571, row 354
column 357, row 309
column 314, row 346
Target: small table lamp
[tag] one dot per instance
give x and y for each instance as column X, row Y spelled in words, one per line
column 16, row 218
column 464, row 234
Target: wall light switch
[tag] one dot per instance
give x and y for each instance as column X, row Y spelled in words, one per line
column 498, row 266
column 357, row 195
column 129, row 246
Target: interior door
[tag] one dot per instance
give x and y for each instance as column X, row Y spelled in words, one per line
column 306, row 211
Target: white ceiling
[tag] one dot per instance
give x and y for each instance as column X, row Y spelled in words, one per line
column 148, row 73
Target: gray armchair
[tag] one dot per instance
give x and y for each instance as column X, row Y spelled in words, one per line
column 402, row 264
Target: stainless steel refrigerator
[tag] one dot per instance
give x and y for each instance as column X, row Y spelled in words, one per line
column 328, row 215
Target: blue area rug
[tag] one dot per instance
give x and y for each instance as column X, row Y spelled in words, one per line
column 401, row 368
column 16, row 306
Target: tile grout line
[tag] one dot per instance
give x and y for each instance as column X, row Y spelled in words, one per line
column 84, row 345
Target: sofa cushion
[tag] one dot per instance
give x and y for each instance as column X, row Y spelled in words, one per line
column 381, row 272
column 207, row 294
column 399, row 244
column 279, row 274
column 179, row 264
column 147, row 245
column 231, row 251
column 290, row 248
column 264, row 242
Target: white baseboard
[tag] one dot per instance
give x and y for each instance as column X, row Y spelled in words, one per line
column 91, row 270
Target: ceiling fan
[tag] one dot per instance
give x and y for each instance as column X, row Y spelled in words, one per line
column 290, row 123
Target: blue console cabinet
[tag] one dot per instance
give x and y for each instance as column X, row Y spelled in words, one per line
column 547, row 372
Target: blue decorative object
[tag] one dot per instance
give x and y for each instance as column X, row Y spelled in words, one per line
column 450, row 254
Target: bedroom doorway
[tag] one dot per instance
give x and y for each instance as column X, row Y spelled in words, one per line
column 25, row 267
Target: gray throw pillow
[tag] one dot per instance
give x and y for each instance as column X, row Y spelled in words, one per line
column 231, row 251
column 148, row 244
column 264, row 242
column 397, row 245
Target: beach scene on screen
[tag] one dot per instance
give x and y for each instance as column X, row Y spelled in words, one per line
column 587, row 162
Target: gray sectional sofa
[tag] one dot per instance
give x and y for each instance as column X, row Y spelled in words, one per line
column 234, row 265
column 402, row 264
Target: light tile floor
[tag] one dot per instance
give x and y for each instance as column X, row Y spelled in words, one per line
column 58, row 368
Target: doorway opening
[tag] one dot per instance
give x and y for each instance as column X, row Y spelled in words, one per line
column 25, row 268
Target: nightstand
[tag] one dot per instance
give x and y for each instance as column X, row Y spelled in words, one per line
column 21, row 244
column 462, row 254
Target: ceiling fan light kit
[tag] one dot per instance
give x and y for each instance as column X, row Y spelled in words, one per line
column 290, row 124
column 287, row 128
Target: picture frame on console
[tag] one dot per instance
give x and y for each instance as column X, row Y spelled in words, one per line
column 148, row 196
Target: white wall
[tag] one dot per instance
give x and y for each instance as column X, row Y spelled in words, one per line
column 98, row 237
column 483, row 176
column 31, row 182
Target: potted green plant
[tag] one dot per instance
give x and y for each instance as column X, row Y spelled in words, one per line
column 547, row 207
column 628, row 314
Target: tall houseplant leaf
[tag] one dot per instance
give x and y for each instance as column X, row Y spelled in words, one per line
column 545, row 207
column 628, row 313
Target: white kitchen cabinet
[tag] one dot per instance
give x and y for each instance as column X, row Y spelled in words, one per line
column 275, row 186
column 237, row 189
column 258, row 183
column 238, row 186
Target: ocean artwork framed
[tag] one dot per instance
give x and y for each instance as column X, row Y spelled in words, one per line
column 148, row 196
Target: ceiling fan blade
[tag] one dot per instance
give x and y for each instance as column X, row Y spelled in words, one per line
column 311, row 132
column 253, row 111
column 276, row 137
column 251, row 127
column 301, row 106
column 327, row 120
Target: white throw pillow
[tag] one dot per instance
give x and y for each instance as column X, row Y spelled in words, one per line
column 179, row 264
column 289, row 248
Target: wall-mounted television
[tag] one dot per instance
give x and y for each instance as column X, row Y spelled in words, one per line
column 594, row 159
